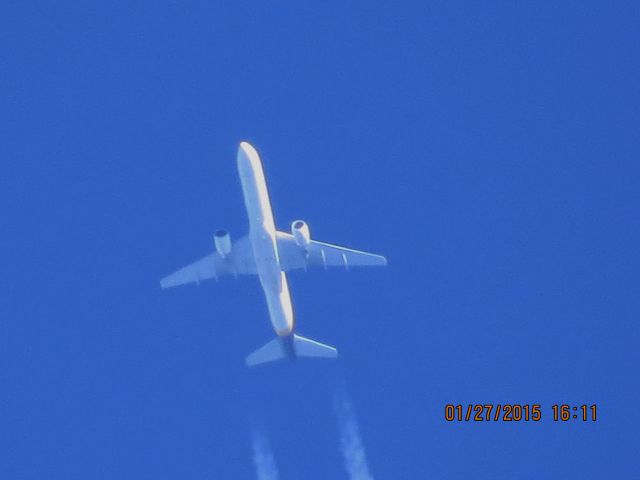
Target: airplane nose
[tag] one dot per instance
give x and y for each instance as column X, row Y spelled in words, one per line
column 247, row 156
column 247, row 149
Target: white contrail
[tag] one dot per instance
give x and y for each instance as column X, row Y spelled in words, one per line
column 263, row 459
column 355, row 459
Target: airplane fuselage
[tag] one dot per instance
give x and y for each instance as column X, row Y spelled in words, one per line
column 262, row 234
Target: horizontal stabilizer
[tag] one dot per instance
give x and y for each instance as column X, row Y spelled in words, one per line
column 291, row 347
column 305, row 347
column 270, row 352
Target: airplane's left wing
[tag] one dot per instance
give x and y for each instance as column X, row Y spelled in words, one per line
column 238, row 262
column 292, row 256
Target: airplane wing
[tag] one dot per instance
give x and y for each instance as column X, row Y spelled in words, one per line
column 293, row 257
column 238, row 262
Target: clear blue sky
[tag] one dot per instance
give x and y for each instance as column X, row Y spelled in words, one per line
column 491, row 151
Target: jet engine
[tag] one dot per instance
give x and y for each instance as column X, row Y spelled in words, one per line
column 222, row 240
column 300, row 232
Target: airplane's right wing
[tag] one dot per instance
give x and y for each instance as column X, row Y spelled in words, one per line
column 292, row 256
column 239, row 262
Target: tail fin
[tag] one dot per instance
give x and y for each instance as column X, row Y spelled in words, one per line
column 292, row 347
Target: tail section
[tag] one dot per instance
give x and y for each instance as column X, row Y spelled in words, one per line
column 305, row 347
column 270, row 352
column 292, row 346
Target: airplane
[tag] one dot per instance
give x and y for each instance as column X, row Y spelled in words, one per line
column 269, row 254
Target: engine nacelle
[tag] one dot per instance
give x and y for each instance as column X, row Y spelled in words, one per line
column 222, row 239
column 300, row 232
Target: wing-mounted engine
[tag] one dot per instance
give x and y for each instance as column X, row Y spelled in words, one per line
column 301, row 234
column 222, row 240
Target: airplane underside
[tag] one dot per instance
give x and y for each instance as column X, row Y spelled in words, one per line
column 269, row 254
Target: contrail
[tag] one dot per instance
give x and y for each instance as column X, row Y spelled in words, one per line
column 263, row 459
column 355, row 459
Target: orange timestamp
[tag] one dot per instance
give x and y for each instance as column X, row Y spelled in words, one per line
column 515, row 412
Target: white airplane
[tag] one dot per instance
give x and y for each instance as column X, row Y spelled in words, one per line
column 269, row 253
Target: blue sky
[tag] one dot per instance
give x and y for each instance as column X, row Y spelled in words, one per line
column 490, row 151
